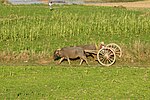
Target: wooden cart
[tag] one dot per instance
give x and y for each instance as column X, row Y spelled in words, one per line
column 106, row 56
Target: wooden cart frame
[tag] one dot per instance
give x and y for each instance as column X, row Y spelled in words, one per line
column 106, row 56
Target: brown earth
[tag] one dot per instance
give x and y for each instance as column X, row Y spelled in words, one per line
column 139, row 4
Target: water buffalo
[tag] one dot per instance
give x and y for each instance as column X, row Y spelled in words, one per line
column 70, row 52
column 91, row 47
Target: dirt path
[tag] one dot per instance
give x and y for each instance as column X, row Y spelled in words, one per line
column 139, row 4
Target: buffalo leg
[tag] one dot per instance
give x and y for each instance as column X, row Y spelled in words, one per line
column 61, row 60
column 86, row 61
column 84, row 58
column 68, row 60
column 81, row 61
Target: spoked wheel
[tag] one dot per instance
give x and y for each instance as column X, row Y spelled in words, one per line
column 106, row 56
column 116, row 49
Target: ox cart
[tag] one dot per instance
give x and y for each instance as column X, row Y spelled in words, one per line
column 106, row 55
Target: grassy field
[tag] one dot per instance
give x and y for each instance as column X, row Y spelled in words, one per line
column 31, row 32
column 66, row 82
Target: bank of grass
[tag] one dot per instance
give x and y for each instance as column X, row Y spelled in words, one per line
column 59, row 82
column 31, row 32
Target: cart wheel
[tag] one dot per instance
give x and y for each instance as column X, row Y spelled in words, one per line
column 116, row 49
column 106, row 56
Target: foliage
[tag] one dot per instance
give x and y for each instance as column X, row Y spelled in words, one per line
column 47, row 82
column 36, row 29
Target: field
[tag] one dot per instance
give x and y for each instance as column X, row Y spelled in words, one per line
column 108, row 1
column 71, row 83
column 29, row 34
column 32, row 32
column 129, row 5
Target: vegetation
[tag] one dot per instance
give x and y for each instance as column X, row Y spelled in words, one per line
column 47, row 82
column 104, row 0
column 31, row 31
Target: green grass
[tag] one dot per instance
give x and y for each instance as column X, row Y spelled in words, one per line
column 59, row 82
column 36, row 30
column 30, row 33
